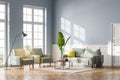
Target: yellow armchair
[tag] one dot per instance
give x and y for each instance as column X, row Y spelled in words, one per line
column 24, row 59
column 41, row 58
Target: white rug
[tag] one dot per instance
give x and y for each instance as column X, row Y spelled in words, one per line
column 71, row 70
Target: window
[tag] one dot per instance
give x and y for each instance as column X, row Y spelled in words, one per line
column 34, row 20
column 3, row 30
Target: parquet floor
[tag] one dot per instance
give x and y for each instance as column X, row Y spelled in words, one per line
column 34, row 74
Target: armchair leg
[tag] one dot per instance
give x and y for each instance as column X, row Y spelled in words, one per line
column 29, row 65
column 50, row 64
column 20, row 66
column 32, row 65
column 39, row 64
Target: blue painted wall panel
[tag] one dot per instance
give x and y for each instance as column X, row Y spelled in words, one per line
column 16, row 19
column 94, row 17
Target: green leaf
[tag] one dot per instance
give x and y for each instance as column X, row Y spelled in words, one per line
column 61, row 42
column 67, row 40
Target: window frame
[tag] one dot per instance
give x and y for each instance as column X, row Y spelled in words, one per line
column 6, row 31
column 33, row 23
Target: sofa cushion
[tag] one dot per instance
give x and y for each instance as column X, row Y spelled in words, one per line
column 92, row 52
column 87, row 54
column 79, row 52
column 84, row 61
column 71, row 53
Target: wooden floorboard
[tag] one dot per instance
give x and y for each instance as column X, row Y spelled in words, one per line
column 34, row 74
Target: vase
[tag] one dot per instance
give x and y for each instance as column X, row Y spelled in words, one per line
column 61, row 56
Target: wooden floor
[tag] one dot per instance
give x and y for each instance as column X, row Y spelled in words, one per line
column 34, row 74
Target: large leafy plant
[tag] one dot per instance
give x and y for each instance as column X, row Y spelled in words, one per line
column 61, row 42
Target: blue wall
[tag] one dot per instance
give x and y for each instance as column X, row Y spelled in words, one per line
column 93, row 19
column 16, row 19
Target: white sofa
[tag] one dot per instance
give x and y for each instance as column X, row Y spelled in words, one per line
column 86, row 56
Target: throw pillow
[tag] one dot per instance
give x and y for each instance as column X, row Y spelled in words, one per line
column 92, row 52
column 71, row 53
column 88, row 54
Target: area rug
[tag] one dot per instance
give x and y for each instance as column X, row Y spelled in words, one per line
column 71, row 70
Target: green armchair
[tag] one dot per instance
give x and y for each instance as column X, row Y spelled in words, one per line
column 41, row 58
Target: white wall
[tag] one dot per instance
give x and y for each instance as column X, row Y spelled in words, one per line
column 105, row 49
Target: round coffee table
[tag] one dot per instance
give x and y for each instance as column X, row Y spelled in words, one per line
column 61, row 64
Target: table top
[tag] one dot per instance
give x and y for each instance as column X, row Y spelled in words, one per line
column 62, row 60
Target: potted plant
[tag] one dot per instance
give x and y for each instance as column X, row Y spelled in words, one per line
column 61, row 42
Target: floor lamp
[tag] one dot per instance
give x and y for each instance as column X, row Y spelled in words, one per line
column 23, row 35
